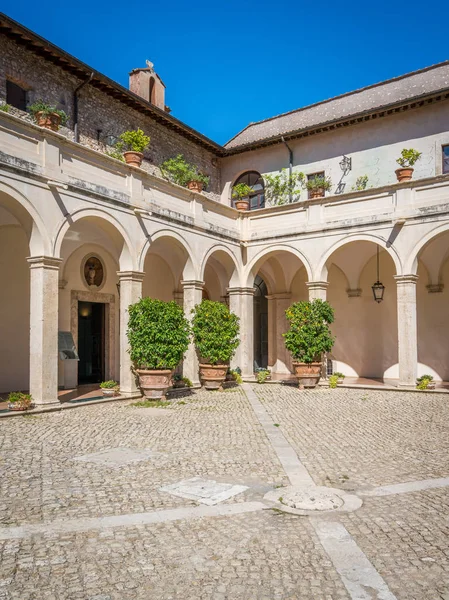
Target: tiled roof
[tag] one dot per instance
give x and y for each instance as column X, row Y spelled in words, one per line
column 402, row 89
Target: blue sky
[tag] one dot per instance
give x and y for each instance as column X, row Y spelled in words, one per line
column 227, row 64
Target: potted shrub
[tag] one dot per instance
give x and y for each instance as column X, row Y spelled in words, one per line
column 158, row 335
column 407, row 159
column 240, row 195
column 318, row 186
column 215, row 333
column 19, row 401
column 47, row 116
column 308, row 338
column 109, row 388
column 263, row 375
column 132, row 144
column 425, row 382
column 340, row 377
column 179, row 171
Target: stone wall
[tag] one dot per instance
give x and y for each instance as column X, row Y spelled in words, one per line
column 97, row 111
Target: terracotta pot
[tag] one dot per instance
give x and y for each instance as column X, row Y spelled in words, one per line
column 319, row 193
column 213, row 376
column 195, row 186
column 404, row 173
column 19, row 406
column 431, row 385
column 109, row 392
column 179, row 384
column 308, row 374
column 340, row 381
column 133, row 158
column 50, row 121
column 154, row 383
column 242, row 204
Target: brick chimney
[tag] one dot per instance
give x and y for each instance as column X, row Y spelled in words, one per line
column 147, row 84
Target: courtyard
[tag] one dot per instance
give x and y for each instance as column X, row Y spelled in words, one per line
column 81, row 523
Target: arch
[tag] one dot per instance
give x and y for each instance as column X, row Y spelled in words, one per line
column 256, row 262
column 255, row 180
column 127, row 260
column 411, row 265
column 321, row 270
column 234, row 279
column 28, row 217
column 189, row 272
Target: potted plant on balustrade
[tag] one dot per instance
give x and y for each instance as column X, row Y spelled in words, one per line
column 318, row 186
column 240, row 195
column 216, row 336
column 158, row 335
column 132, row 144
column 308, row 338
column 109, row 388
column 20, row 401
column 179, row 171
column 47, row 116
column 407, row 159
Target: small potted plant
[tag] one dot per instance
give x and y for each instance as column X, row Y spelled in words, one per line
column 240, row 195
column 47, row 116
column 132, row 144
column 179, row 171
column 109, row 388
column 263, row 375
column 407, row 159
column 333, row 381
column 308, row 338
column 158, row 335
column 215, row 333
column 425, row 382
column 20, row 401
column 318, row 186
column 340, row 377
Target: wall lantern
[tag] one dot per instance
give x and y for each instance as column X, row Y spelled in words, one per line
column 345, row 164
column 378, row 288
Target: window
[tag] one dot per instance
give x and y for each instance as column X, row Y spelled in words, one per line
column 446, row 159
column 312, row 176
column 254, row 180
column 151, row 95
column 15, row 95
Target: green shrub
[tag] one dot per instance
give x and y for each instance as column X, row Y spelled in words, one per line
column 339, row 375
column 215, row 332
column 4, row 107
column 262, row 375
column 283, row 188
column 116, row 152
column 46, row 109
column 179, row 171
column 109, row 385
column 360, row 183
column 133, row 141
column 158, row 334
column 22, row 400
column 241, row 191
column 309, row 335
column 187, row 382
column 423, row 382
column 333, row 380
column 408, row 157
column 319, row 183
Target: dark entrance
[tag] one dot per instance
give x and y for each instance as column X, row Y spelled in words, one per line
column 260, row 324
column 91, row 325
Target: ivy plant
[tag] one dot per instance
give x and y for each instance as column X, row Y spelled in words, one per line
column 133, row 141
column 309, row 335
column 179, row 171
column 283, row 187
column 408, row 157
column 241, row 191
column 46, row 109
column 215, row 332
column 158, row 334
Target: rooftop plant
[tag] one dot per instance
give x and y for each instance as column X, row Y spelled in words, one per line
column 179, row 171
column 241, row 190
column 319, row 182
column 283, row 187
column 408, row 157
column 133, row 141
column 46, row 109
column 215, row 332
column 158, row 334
column 309, row 335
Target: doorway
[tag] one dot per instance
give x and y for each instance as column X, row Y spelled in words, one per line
column 260, row 324
column 91, row 342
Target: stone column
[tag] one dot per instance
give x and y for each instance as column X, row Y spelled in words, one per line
column 193, row 294
column 282, row 362
column 317, row 290
column 241, row 302
column 44, row 276
column 407, row 329
column 130, row 293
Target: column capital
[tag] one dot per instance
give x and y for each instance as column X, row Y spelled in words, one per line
column 354, row 292
column 44, row 262
column 404, row 279
column 130, row 275
column 317, row 285
column 241, row 291
column 435, row 288
column 192, row 283
column 279, row 296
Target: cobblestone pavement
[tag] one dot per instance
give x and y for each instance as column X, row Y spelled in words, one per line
column 342, row 439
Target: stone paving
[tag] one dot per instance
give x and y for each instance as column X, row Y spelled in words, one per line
column 343, row 440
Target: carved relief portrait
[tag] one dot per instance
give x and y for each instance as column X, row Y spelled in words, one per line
column 93, row 272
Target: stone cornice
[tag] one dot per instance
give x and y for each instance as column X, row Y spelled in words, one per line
column 130, row 275
column 405, row 279
column 44, row 262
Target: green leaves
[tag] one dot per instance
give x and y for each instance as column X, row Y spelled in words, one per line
column 279, row 189
column 241, row 190
column 319, row 183
column 179, row 171
column 408, row 157
column 309, row 335
column 215, row 332
column 158, row 334
column 134, row 141
column 47, row 109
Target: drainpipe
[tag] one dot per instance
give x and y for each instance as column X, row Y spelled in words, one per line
column 290, row 166
column 75, row 106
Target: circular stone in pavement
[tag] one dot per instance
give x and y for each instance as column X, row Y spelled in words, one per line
column 308, row 500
